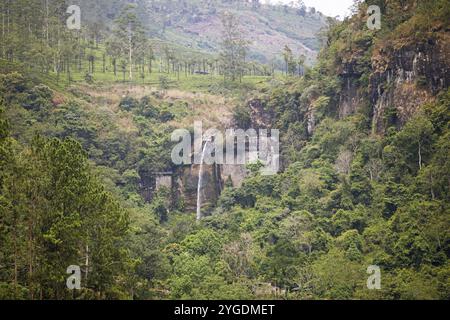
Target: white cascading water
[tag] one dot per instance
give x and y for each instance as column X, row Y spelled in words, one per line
column 199, row 186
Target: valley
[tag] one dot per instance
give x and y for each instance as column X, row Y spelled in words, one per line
column 88, row 177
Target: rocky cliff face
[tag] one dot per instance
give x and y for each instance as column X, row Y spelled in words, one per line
column 214, row 178
column 351, row 95
column 261, row 118
column 402, row 77
column 406, row 77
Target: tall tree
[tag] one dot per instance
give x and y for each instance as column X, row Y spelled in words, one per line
column 288, row 57
column 301, row 64
column 234, row 47
column 130, row 33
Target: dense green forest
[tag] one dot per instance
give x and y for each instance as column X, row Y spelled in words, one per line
column 86, row 120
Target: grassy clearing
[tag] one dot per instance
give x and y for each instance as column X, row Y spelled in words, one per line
column 104, row 75
column 191, row 83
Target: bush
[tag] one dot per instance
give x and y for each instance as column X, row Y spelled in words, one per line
column 39, row 98
column 128, row 103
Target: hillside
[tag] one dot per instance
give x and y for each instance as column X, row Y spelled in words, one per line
column 88, row 178
column 196, row 26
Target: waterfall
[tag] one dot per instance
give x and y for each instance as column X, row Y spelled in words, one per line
column 199, row 186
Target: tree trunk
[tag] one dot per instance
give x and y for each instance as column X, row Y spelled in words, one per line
column 46, row 21
column 31, row 249
column 420, row 157
column 3, row 31
column 431, row 186
column 130, row 57
column 87, row 266
column 15, row 255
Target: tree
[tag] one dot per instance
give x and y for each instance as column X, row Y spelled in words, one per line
column 298, row 228
column 163, row 83
column 113, row 49
column 55, row 214
column 150, row 56
column 335, row 276
column 239, row 257
column 288, row 57
column 301, row 64
column 130, row 34
column 233, row 48
column 414, row 142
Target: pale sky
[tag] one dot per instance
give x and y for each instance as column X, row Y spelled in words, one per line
column 330, row 8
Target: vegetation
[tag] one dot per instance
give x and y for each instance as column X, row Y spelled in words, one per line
column 85, row 123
